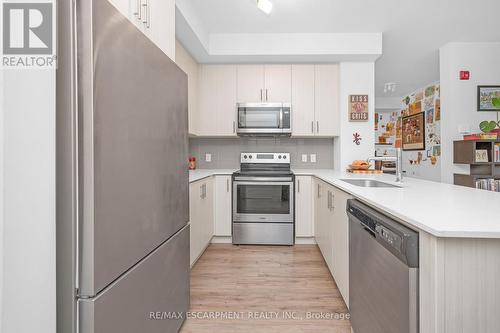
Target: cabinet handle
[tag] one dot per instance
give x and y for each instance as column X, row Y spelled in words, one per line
column 261, row 95
column 148, row 11
column 145, row 8
column 312, row 127
column 328, row 200
column 234, row 126
column 332, row 199
column 318, row 191
column 227, row 185
column 138, row 8
column 298, row 185
column 317, row 126
column 266, row 95
column 201, row 191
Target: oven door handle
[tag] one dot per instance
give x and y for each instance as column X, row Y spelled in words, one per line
column 262, row 183
column 263, row 179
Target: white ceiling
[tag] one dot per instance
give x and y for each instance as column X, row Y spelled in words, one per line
column 412, row 31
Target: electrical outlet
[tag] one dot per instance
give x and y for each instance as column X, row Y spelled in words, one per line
column 208, row 157
column 313, row 158
column 304, row 158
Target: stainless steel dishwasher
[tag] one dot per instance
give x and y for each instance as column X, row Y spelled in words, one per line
column 383, row 272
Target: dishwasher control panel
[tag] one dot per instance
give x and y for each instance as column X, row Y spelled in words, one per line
column 390, row 237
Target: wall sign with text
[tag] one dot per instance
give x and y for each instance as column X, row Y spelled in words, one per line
column 358, row 107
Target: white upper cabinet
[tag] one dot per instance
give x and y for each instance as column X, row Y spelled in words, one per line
column 124, row 6
column 207, row 106
column 155, row 18
column 303, row 122
column 326, row 100
column 250, row 83
column 226, row 100
column 313, row 91
column 277, row 83
column 264, row 83
column 217, row 102
column 160, row 24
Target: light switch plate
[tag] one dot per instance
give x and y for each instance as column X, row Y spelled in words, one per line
column 208, row 157
column 313, row 158
column 304, row 158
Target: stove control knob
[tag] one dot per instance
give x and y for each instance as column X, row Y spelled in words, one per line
column 284, row 157
column 250, row 156
column 245, row 156
column 279, row 156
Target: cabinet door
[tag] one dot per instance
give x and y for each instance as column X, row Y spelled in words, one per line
column 319, row 230
column 159, row 24
column 208, row 212
column 250, row 83
column 278, row 83
column 127, row 7
column 195, row 206
column 341, row 243
column 223, row 205
column 326, row 100
column 226, row 84
column 207, row 119
column 304, row 224
column 303, row 100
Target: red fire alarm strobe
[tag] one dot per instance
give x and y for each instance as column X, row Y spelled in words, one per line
column 464, row 75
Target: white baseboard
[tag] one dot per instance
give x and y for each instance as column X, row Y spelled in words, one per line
column 222, row 240
column 305, row 240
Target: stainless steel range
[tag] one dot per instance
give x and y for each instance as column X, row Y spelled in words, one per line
column 263, row 200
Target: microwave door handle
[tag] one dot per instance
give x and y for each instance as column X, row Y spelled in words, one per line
column 281, row 119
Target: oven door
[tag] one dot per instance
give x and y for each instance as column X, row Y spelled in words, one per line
column 263, row 118
column 263, row 200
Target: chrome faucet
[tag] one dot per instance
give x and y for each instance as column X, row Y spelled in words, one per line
column 398, row 159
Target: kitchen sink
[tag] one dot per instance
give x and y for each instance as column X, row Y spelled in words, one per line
column 368, row 183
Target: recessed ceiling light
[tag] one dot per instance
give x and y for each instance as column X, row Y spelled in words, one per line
column 265, row 5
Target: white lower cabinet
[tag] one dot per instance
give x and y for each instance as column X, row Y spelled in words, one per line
column 304, row 218
column 201, row 211
column 323, row 224
column 332, row 231
column 340, row 263
column 223, row 198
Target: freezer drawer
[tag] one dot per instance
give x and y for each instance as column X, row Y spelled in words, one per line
column 143, row 298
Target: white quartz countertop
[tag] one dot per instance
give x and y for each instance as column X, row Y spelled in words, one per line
column 443, row 210
column 199, row 174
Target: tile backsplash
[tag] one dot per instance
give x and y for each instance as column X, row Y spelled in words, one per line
column 225, row 152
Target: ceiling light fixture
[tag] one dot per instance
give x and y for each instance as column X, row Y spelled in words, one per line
column 265, row 5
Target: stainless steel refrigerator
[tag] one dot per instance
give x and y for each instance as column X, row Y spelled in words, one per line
column 122, row 181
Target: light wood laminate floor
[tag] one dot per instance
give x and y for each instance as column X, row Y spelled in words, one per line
column 261, row 285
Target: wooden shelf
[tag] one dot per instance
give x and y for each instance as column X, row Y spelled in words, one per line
column 464, row 152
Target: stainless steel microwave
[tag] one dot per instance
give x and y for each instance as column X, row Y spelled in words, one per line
column 266, row 119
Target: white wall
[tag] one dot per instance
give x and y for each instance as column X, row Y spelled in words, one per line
column 356, row 78
column 187, row 63
column 459, row 98
column 28, row 301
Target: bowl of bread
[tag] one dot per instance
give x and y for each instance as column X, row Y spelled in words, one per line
column 359, row 165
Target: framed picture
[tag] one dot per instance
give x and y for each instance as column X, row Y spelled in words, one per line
column 482, row 156
column 485, row 95
column 414, row 132
column 358, row 107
